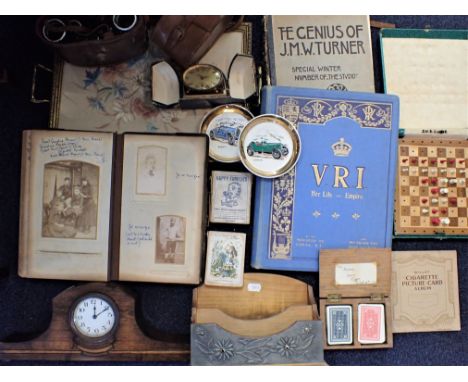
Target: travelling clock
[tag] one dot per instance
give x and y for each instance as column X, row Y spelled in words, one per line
column 94, row 319
column 202, row 79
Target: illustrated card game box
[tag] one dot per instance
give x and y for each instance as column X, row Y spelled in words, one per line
column 355, row 299
column 431, row 184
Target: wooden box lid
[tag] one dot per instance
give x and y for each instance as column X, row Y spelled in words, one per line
column 262, row 295
column 267, row 304
column 357, row 272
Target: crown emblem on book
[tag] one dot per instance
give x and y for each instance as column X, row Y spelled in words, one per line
column 290, row 102
column 290, row 110
column 341, row 148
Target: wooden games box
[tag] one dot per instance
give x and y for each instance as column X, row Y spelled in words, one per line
column 351, row 277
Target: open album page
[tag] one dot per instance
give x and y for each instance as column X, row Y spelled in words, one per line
column 163, row 208
column 65, row 205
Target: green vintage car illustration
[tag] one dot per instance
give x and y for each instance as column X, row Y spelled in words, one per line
column 264, row 146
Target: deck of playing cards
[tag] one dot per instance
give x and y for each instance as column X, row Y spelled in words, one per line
column 371, row 323
column 339, row 324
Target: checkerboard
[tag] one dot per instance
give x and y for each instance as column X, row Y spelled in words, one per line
column 431, row 187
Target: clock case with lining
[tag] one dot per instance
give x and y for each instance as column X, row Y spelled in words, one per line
column 240, row 85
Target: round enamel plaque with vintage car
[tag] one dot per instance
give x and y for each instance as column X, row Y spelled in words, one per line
column 223, row 125
column 269, row 146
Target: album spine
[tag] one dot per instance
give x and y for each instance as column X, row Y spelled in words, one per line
column 24, row 220
column 260, row 228
column 262, row 198
column 113, row 265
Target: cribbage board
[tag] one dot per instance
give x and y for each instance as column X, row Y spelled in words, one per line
column 431, row 187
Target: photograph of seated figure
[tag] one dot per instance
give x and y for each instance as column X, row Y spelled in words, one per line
column 70, row 200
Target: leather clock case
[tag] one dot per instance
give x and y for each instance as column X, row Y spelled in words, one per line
column 185, row 39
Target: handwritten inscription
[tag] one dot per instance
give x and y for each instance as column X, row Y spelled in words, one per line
column 356, row 274
column 136, row 234
column 180, row 175
column 77, row 147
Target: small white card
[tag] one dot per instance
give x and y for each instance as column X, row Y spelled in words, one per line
column 230, row 197
column 356, row 274
column 254, row 287
column 225, row 259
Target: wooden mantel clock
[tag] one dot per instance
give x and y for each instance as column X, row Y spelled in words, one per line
column 94, row 322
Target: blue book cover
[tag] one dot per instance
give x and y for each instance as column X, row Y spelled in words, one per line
column 340, row 194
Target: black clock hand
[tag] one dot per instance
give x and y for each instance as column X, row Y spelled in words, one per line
column 94, row 315
column 102, row 311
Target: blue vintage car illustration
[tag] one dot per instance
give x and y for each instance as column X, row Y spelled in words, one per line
column 225, row 133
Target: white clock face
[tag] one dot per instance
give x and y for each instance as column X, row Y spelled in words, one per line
column 94, row 317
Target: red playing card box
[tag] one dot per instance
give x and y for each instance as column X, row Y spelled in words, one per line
column 371, row 323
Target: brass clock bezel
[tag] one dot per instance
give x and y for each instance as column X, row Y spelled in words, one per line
column 217, row 88
column 94, row 343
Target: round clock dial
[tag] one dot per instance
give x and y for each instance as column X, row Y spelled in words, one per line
column 202, row 77
column 94, row 317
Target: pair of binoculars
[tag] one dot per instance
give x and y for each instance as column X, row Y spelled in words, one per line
column 74, row 29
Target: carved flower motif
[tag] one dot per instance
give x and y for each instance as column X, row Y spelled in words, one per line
column 200, row 331
column 223, row 349
column 286, row 346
